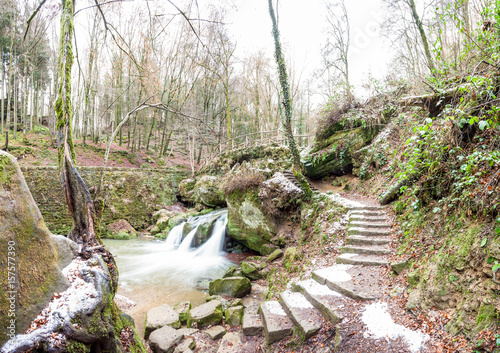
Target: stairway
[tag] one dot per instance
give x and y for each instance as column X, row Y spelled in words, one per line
column 291, row 177
column 308, row 302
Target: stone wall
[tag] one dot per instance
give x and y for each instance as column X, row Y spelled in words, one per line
column 131, row 194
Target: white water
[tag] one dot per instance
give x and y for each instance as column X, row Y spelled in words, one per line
column 175, row 236
column 173, row 263
column 186, row 243
column 215, row 244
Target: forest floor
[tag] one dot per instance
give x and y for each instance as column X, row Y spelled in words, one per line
column 39, row 149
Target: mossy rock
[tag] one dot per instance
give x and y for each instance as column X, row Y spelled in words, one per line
column 334, row 156
column 250, row 270
column 236, row 287
column 247, row 221
column 207, row 192
column 234, row 315
column 205, row 315
column 25, row 237
column 292, row 254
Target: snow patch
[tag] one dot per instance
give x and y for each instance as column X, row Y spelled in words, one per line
column 296, row 300
column 279, row 179
column 380, row 324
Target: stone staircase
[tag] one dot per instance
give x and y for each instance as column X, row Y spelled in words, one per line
column 291, row 177
column 308, row 302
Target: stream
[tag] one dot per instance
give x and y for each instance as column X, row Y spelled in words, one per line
column 155, row 272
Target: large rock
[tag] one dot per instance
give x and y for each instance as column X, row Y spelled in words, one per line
column 121, row 230
column 206, row 314
column 207, row 192
column 250, row 270
column 165, row 339
column 248, row 223
column 161, row 316
column 162, row 216
column 334, row 155
column 32, row 258
column 236, row 287
column 234, row 315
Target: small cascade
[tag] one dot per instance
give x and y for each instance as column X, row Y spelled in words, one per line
column 214, row 245
column 176, row 261
column 175, row 236
column 188, row 240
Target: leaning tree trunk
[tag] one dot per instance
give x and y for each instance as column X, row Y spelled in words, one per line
column 287, row 104
column 77, row 195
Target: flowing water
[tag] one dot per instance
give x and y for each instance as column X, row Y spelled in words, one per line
column 154, row 272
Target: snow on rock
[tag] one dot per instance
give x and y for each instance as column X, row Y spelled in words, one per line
column 275, row 308
column 380, row 324
column 89, row 283
column 280, row 180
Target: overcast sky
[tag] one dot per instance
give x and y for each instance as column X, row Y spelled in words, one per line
column 302, row 27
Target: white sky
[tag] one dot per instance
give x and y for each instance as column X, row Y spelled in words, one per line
column 302, row 28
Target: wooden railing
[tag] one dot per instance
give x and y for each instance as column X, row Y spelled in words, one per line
column 262, row 138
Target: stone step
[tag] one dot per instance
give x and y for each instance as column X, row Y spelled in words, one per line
column 367, row 240
column 340, row 278
column 367, row 224
column 372, row 213
column 368, row 231
column 277, row 325
column 366, row 208
column 361, row 260
column 252, row 323
column 303, row 314
column 366, row 250
column 322, row 297
column 361, row 218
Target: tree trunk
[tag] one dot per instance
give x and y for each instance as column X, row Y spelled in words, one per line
column 423, row 36
column 77, row 195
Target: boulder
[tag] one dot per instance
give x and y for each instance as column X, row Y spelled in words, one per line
column 186, row 190
column 275, row 255
column 334, row 154
column 205, row 314
column 185, row 346
column 162, row 216
column 165, row 339
column 267, row 249
column 236, row 287
column 291, row 256
column 234, row 315
column 161, row 316
column 216, row 332
column 250, row 270
column 182, row 309
column 230, row 271
column 248, row 223
column 121, row 229
column 224, row 303
column 207, row 192
column 36, row 254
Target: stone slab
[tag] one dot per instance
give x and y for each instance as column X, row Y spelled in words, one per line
column 368, row 231
column 303, row 314
column 160, row 316
column 216, row 332
column 322, row 297
column 364, row 240
column 366, row 250
column 164, row 340
column 252, row 322
column 277, row 325
column 362, row 260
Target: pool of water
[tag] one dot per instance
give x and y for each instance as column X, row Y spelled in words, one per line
column 153, row 273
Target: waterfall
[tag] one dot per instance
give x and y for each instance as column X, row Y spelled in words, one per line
column 186, row 243
column 215, row 244
column 175, row 236
column 176, row 261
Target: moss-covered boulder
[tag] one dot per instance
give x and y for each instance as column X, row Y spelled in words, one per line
column 292, row 255
column 121, row 230
column 247, row 222
column 205, row 315
column 182, row 309
column 334, row 155
column 207, row 192
column 32, row 256
column 250, row 270
column 234, row 315
column 186, row 187
column 236, row 287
